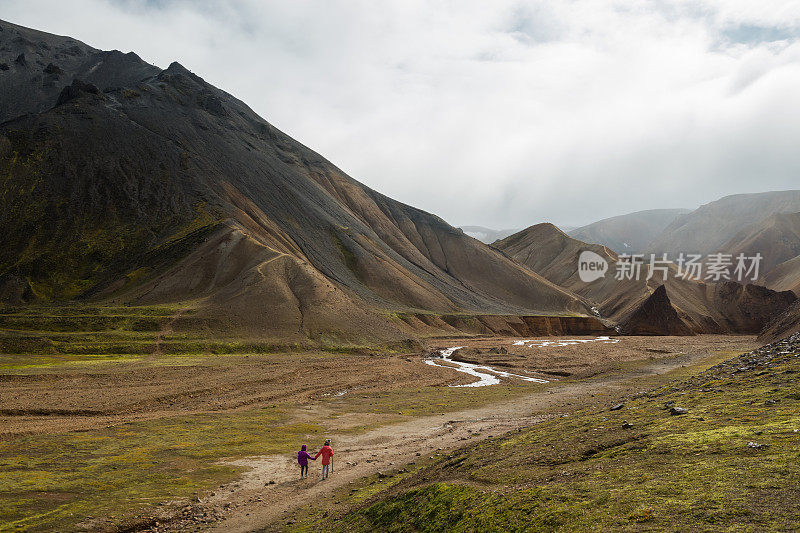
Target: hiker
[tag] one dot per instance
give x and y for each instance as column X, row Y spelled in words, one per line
column 302, row 458
column 326, row 452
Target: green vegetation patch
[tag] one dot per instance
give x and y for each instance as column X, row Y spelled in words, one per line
column 422, row 401
column 50, row 482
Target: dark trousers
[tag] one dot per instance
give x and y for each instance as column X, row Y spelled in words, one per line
column 303, row 470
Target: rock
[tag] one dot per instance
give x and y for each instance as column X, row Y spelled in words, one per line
column 53, row 70
column 271, row 481
column 77, row 89
column 757, row 446
column 20, row 60
column 627, row 425
column 617, row 407
column 769, row 402
column 678, row 411
column 382, row 475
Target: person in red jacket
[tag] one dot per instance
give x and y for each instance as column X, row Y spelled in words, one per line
column 326, row 452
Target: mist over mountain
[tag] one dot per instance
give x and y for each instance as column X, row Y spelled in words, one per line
column 630, row 233
column 709, row 227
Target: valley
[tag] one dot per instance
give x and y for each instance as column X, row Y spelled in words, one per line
column 112, row 415
column 188, row 294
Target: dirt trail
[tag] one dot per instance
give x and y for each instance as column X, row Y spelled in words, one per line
column 165, row 330
column 256, row 505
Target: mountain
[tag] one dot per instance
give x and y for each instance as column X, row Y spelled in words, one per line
column 708, row 228
column 550, row 252
column 776, row 238
column 629, row 233
column 655, row 316
column 487, row 235
column 785, row 276
column 128, row 183
column 787, row 323
column 703, row 307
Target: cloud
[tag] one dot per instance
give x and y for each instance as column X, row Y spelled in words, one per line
column 502, row 114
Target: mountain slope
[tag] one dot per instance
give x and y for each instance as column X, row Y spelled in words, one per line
column 628, row 233
column 785, row 277
column 776, row 238
column 708, row 228
column 133, row 182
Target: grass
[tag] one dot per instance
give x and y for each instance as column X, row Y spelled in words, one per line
column 589, row 472
column 424, row 401
column 51, row 482
column 48, row 336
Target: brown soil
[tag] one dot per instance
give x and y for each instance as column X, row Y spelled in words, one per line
column 46, row 400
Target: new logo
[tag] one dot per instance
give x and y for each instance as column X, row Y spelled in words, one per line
column 591, row 266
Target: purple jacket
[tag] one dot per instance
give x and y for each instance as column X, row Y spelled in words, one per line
column 303, row 457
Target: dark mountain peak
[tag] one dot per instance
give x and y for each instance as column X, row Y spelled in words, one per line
column 655, row 316
column 176, row 67
column 182, row 78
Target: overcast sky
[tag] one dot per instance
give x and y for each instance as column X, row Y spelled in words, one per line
column 495, row 113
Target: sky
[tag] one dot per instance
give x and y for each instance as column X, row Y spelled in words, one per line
column 497, row 113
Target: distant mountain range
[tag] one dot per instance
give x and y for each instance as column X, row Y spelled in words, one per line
column 631, row 233
column 699, row 307
column 761, row 223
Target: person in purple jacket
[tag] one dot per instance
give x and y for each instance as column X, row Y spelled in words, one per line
column 302, row 458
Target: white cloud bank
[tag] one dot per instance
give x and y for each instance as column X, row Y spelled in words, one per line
column 499, row 113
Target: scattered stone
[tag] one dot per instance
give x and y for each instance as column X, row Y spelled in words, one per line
column 757, row 446
column 617, row 407
column 674, row 411
column 271, row 481
column 769, row 402
column 627, row 425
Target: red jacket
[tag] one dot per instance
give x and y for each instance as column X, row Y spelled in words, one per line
column 326, row 452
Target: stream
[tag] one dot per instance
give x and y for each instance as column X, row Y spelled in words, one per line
column 484, row 378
